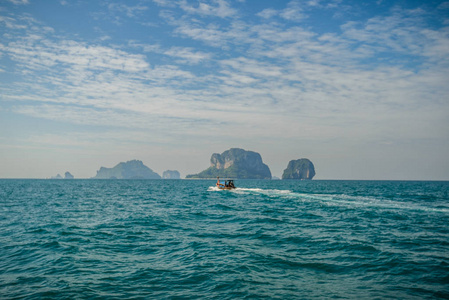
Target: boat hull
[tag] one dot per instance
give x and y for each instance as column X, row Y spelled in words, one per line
column 225, row 188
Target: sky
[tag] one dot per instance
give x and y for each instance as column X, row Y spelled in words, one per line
column 361, row 88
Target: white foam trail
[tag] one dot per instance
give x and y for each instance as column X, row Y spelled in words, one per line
column 337, row 199
column 213, row 189
column 366, row 201
column 269, row 192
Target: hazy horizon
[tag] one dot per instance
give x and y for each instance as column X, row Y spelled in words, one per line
column 358, row 87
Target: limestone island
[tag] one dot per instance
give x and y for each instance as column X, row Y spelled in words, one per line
column 67, row 175
column 169, row 174
column 235, row 163
column 301, row 169
column 133, row 169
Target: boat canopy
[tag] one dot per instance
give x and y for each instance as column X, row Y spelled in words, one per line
column 225, row 184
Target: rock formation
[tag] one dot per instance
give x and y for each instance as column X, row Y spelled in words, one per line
column 133, row 169
column 235, row 163
column 67, row 175
column 169, row 174
column 302, row 169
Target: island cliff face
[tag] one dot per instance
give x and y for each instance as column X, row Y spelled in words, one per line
column 235, row 163
column 133, row 169
column 302, row 169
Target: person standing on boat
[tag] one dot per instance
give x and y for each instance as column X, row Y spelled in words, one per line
column 218, row 181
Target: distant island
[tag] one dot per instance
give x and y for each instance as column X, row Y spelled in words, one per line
column 67, row 175
column 169, row 174
column 235, row 163
column 133, row 169
column 302, row 169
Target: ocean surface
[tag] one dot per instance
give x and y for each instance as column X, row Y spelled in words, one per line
column 184, row 239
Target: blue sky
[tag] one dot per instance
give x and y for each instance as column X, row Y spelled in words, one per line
column 358, row 87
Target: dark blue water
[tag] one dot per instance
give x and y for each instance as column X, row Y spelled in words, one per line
column 180, row 239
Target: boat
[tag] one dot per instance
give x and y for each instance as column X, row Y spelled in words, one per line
column 225, row 185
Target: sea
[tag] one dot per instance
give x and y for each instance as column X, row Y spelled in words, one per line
column 185, row 239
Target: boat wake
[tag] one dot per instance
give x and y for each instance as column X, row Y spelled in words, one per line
column 268, row 192
column 338, row 200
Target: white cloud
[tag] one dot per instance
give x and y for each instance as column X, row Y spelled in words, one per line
column 210, row 34
column 268, row 13
column 314, row 2
column 253, row 67
column 188, row 55
column 444, row 5
column 208, row 8
column 129, row 11
column 36, row 52
column 300, row 65
column 11, row 23
column 399, row 32
column 165, row 3
column 293, row 12
column 217, row 8
column 19, row 2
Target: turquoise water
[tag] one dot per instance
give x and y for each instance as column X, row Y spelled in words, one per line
column 181, row 239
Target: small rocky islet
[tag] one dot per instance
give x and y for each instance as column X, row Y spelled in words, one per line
column 67, row 175
column 302, row 169
column 171, row 174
